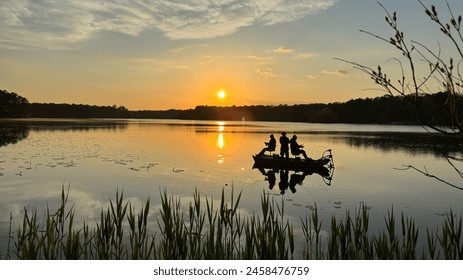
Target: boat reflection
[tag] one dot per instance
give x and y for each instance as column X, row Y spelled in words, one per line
column 290, row 179
column 293, row 172
column 268, row 165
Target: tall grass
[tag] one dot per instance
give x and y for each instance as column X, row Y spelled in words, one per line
column 202, row 230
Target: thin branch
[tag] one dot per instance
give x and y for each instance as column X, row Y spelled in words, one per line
column 434, row 67
column 460, row 173
column 377, row 76
column 457, row 22
column 444, row 28
column 376, row 36
column 427, row 174
column 448, row 80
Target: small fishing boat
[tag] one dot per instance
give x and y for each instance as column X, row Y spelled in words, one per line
column 296, row 164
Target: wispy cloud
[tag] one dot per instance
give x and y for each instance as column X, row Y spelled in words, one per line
column 185, row 48
column 267, row 73
column 153, row 64
column 257, row 58
column 58, row 24
column 295, row 54
column 312, row 77
column 306, row 55
column 174, row 65
column 337, row 72
column 282, row 50
column 211, row 59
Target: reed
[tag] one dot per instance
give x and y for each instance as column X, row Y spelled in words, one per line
column 204, row 230
column 451, row 239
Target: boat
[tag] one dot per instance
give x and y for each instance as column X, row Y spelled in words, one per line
column 297, row 164
column 323, row 166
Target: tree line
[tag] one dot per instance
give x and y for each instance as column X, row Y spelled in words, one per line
column 379, row 110
column 13, row 105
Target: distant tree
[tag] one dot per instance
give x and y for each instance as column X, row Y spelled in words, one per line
column 13, row 105
column 445, row 113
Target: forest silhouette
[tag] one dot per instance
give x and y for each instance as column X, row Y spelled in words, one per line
column 379, row 110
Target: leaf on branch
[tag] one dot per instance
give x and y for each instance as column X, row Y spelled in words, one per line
column 434, row 12
column 428, row 13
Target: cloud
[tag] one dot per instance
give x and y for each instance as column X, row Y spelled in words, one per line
column 306, row 55
column 154, row 64
column 336, row 72
column 60, row 24
column 185, row 48
column 257, row 58
column 174, row 65
column 267, row 73
column 282, row 50
column 312, row 77
column 294, row 54
column 212, row 59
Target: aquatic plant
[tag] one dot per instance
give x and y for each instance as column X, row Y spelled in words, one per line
column 202, row 230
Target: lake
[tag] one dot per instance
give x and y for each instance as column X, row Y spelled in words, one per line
column 98, row 157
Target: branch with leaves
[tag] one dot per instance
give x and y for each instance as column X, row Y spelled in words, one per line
column 443, row 72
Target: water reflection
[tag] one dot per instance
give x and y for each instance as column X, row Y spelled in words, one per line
column 412, row 143
column 220, row 159
column 12, row 131
column 289, row 180
column 12, row 134
column 386, row 139
column 220, row 141
column 62, row 125
column 97, row 157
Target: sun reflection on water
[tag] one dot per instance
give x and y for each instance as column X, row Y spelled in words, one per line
column 220, row 141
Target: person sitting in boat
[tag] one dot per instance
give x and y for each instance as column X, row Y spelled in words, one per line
column 271, row 145
column 296, row 149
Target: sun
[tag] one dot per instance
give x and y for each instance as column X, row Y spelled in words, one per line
column 221, row 94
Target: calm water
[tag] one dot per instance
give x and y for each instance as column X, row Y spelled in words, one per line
column 141, row 157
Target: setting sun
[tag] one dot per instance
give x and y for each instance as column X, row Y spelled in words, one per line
column 221, row 94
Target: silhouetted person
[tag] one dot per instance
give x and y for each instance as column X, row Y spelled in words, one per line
column 283, row 184
column 271, row 145
column 284, row 145
column 296, row 179
column 269, row 176
column 296, row 149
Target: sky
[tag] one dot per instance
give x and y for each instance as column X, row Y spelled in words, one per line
column 177, row 54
